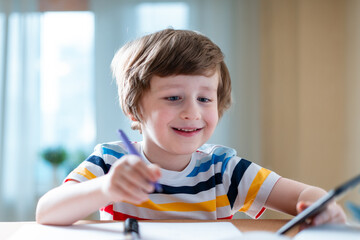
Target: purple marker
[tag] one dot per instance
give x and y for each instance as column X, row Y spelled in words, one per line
column 131, row 149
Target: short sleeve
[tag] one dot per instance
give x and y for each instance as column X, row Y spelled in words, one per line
column 98, row 163
column 249, row 186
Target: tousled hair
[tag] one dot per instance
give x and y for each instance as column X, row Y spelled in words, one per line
column 165, row 53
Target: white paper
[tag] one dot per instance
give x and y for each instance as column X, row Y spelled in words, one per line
column 322, row 232
column 114, row 231
column 330, row 232
column 175, row 231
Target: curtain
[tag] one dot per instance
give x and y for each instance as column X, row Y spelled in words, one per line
column 19, row 108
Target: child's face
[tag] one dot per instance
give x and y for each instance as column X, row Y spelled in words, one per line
column 179, row 113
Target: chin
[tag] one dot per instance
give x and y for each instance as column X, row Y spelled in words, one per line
column 184, row 150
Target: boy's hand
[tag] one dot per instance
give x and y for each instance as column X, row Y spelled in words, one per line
column 333, row 213
column 130, row 179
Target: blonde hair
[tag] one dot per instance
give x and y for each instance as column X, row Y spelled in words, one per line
column 165, row 53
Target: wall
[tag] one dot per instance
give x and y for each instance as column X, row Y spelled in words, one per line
column 353, row 90
column 309, row 85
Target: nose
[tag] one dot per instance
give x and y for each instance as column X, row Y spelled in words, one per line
column 190, row 110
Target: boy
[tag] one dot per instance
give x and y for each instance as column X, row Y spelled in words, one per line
column 174, row 86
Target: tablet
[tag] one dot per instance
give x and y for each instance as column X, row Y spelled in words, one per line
column 320, row 204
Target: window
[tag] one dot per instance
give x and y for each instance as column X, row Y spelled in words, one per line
column 162, row 15
column 66, row 82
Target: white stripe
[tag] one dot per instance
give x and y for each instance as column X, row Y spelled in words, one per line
column 153, row 214
column 76, row 177
column 117, row 146
column 244, row 186
column 93, row 168
column 223, row 212
column 108, row 159
column 106, row 216
column 96, row 170
column 188, row 198
column 182, row 198
column 229, row 171
column 172, row 178
column 263, row 194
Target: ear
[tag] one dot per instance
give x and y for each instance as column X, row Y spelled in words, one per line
column 132, row 118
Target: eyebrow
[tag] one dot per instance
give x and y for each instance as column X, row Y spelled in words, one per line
column 171, row 86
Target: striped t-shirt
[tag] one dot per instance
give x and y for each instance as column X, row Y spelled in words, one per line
column 215, row 185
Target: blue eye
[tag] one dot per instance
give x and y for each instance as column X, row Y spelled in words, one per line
column 173, row 98
column 203, row 99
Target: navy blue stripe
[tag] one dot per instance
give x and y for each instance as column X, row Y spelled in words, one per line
column 236, row 177
column 99, row 162
column 200, row 187
column 204, row 166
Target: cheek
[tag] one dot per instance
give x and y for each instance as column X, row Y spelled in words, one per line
column 215, row 120
column 213, row 117
column 158, row 117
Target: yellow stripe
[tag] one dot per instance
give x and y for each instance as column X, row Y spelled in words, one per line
column 222, row 201
column 84, row 172
column 254, row 188
column 207, row 206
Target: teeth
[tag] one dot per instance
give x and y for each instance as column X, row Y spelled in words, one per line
column 186, row 130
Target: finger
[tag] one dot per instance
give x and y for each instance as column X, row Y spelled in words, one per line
column 332, row 214
column 129, row 173
column 136, row 172
column 301, row 206
column 341, row 216
column 139, row 181
column 143, row 169
column 122, row 191
column 303, row 226
column 124, row 179
column 126, row 191
column 155, row 172
column 150, row 172
column 321, row 218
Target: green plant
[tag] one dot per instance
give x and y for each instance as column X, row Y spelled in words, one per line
column 54, row 155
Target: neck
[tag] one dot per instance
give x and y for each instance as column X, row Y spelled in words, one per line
column 165, row 159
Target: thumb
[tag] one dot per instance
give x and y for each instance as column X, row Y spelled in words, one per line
column 155, row 171
column 302, row 205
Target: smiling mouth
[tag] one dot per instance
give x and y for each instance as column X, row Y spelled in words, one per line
column 187, row 130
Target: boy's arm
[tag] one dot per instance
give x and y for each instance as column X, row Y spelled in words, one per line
column 129, row 179
column 70, row 202
column 292, row 197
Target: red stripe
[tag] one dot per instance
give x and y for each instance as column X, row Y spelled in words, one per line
column 118, row 215
column 229, row 217
column 70, row 179
column 109, row 209
column 121, row 216
column 260, row 213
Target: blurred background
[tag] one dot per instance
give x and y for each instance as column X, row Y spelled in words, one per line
column 295, row 74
